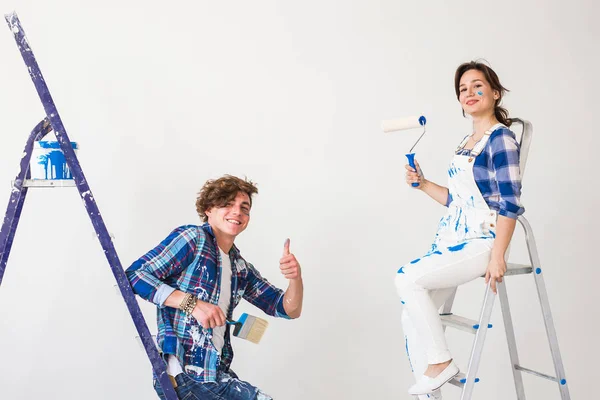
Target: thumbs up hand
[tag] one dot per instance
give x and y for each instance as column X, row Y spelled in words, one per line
column 289, row 266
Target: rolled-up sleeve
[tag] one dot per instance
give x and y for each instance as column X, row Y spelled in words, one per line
column 263, row 294
column 147, row 275
column 449, row 199
column 505, row 162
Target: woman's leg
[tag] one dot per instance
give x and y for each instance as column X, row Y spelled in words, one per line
column 443, row 269
column 414, row 350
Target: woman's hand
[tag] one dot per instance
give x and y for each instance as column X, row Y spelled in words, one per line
column 414, row 175
column 495, row 271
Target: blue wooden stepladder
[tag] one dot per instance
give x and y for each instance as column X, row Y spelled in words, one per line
column 21, row 184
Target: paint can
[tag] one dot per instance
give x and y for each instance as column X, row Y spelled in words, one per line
column 48, row 161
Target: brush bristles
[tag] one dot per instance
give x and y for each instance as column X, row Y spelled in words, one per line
column 257, row 330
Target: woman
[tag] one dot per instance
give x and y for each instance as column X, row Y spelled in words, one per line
column 483, row 204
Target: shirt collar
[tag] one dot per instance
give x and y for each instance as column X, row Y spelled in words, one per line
column 208, row 229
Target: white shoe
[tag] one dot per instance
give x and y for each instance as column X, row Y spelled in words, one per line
column 427, row 385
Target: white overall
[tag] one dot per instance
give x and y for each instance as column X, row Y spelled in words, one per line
column 460, row 253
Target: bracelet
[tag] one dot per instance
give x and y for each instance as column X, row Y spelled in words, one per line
column 188, row 304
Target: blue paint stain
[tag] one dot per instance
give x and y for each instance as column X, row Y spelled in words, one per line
column 538, row 271
column 54, row 145
column 54, row 162
column 55, row 166
column 464, row 380
column 408, row 353
column 493, row 234
column 400, row 271
column 452, row 170
column 563, row 381
column 415, row 261
column 402, row 301
column 457, row 247
column 480, row 93
column 432, row 252
column 476, row 326
column 458, row 220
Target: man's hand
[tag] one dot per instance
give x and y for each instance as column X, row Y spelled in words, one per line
column 289, row 266
column 495, row 271
column 208, row 315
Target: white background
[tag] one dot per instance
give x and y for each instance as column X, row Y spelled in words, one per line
column 162, row 97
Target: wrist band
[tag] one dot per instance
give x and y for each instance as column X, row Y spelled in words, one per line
column 188, row 304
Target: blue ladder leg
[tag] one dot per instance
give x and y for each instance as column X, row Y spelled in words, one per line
column 158, row 364
column 17, row 196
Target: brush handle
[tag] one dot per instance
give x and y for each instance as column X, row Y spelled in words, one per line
column 411, row 162
column 237, row 326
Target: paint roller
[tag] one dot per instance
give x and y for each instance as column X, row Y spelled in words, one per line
column 393, row 125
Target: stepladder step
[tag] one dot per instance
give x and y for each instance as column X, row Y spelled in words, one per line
column 562, row 381
column 47, row 183
column 462, row 323
column 460, row 380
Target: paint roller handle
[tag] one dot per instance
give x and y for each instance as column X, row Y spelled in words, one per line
column 411, row 162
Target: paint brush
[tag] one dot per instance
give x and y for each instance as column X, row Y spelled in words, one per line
column 249, row 327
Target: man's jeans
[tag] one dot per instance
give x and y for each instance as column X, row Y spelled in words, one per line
column 227, row 387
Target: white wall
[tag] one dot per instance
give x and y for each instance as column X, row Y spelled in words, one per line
column 163, row 96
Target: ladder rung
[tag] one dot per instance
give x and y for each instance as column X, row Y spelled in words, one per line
column 462, row 323
column 518, row 269
column 536, row 373
column 460, row 380
column 48, row 183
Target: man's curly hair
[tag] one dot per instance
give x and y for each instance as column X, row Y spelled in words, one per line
column 219, row 192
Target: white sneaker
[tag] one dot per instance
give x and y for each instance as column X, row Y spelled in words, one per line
column 427, row 385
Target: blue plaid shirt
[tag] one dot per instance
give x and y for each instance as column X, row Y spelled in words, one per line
column 497, row 173
column 189, row 260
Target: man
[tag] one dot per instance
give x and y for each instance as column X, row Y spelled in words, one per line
column 196, row 276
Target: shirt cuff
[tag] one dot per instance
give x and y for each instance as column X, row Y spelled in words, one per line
column 508, row 214
column 449, row 199
column 280, row 309
column 161, row 295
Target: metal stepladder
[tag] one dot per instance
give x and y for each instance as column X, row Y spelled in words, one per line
column 53, row 122
column 479, row 328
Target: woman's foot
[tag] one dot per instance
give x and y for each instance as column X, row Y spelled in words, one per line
column 434, row 370
column 427, row 384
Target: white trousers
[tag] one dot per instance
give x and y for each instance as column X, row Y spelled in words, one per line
column 424, row 285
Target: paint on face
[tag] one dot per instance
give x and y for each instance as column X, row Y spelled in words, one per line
column 480, row 93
